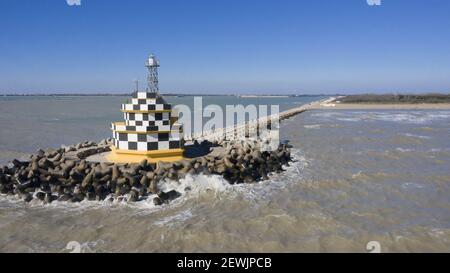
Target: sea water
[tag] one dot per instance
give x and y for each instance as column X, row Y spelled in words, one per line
column 357, row 177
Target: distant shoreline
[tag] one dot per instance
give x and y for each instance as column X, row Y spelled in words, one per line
column 383, row 102
column 381, row 106
column 395, row 99
column 164, row 94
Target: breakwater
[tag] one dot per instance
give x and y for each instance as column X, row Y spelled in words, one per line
column 65, row 175
column 242, row 129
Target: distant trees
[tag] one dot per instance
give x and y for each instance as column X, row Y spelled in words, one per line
column 396, row 98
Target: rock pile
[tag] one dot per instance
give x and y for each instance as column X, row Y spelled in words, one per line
column 59, row 175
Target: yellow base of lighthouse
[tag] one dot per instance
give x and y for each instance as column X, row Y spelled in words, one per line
column 128, row 156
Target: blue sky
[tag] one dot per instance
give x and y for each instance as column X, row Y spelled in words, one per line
column 232, row 46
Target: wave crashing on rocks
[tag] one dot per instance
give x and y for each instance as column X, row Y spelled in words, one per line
column 64, row 174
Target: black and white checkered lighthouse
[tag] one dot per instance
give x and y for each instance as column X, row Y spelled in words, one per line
column 150, row 130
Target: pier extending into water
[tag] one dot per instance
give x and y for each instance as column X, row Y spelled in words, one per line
column 244, row 128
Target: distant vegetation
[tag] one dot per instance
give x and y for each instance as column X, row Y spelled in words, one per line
column 396, row 98
column 162, row 93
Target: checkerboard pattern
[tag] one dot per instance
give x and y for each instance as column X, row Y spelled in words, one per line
column 149, row 125
column 145, row 107
column 157, row 116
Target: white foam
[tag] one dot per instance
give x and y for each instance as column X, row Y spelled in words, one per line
column 403, row 150
column 312, row 126
column 414, row 117
column 212, row 186
column 409, row 185
column 416, row 136
column 179, row 217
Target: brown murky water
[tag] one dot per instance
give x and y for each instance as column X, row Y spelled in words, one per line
column 359, row 176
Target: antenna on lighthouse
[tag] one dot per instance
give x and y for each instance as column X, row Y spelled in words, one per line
column 152, row 65
column 136, row 83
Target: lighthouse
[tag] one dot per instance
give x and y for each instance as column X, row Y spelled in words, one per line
column 150, row 129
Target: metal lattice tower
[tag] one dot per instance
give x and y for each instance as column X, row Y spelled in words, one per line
column 152, row 65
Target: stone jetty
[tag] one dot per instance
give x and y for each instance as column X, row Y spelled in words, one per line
column 253, row 125
column 64, row 174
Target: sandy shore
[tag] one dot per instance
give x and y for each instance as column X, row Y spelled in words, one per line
column 361, row 106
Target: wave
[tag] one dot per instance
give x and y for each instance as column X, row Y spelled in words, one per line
column 200, row 186
column 413, row 117
column 312, row 126
column 416, row 136
column 403, row 150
